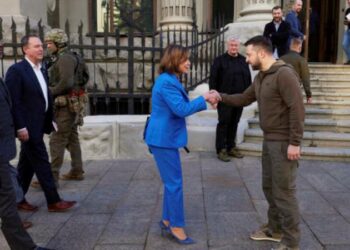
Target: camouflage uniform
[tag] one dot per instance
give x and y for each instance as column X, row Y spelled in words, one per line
column 61, row 84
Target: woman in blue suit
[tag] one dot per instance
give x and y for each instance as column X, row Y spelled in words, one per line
column 166, row 133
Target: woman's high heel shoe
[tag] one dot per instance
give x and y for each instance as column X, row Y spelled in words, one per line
column 186, row 241
column 164, row 228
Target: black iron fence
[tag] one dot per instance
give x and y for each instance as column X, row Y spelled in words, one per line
column 123, row 67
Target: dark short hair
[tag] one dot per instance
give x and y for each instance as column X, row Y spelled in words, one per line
column 173, row 56
column 277, row 7
column 261, row 42
column 25, row 40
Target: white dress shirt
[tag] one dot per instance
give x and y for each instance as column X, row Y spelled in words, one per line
column 41, row 79
column 277, row 26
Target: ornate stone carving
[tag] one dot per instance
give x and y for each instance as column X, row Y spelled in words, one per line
column 257, row 10
column 176, row 13
column 51, row 5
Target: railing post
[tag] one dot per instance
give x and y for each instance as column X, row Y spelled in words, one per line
column 1, row 49
column 130, row 70
column 2, row 57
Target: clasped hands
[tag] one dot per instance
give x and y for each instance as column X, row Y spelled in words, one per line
column 213, row 97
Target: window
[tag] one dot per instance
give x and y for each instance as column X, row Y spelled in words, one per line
column 112, row 14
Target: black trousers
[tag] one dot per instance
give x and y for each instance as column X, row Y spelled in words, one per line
column 33, row 158
column 226, row 128
column 11, row 226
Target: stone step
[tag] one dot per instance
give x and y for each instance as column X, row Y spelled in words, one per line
column 328, row 68
column 321, row 113
column 329, row 82
column 333, row 114
column 330, row 114
column 312, row 153
column 314, row 125
column 323, row 104
column 329, row 96
column 330, row 89
column 310, row 139
column 341, row 75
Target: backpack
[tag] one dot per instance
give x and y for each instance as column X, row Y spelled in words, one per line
column 81, row 71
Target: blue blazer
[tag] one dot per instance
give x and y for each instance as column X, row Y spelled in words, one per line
column 7, row 130
column 170, row 106
column 28, row 100
column 295, row 26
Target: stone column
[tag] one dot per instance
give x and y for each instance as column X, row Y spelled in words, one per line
column 253, row 17
column 176, row 14
column 257, row 10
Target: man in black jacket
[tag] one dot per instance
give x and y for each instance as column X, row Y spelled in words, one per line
column 278, row 32
column 11, row 225
column 229, row 74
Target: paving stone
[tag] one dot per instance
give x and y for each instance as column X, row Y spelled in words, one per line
column 141, row 193
column 340, row 201
column 192, row 185
column 255, row 190
column 119, row 247
column 340, row 171
column 250, row 173
column 194, row 229
column 194, row 207
column 337, row 247
column 103, row 200
column 120, row 203
column 146, row 171
column 324, row 182
column 214, row 163
column 128, row 226
column 47, row 225
column 329, row 229
column 226, row 228
column 191, row 168
column 311, row 202
column 225, row 200
column 308, row 240
column 261, row 206
column 251, row 245
column 303, row 184
column 80, row 232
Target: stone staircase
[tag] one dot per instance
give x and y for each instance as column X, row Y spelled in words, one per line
column 327, row 123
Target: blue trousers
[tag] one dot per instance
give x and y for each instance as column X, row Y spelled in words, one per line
column 346, row 43
column 169, row 166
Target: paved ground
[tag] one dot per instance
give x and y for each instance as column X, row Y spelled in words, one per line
column 120, row 205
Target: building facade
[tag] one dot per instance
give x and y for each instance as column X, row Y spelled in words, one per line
column 246, row 17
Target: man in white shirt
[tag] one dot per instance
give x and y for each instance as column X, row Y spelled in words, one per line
column 33, row 116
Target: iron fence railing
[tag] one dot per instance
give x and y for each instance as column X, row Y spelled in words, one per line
column 124, row 67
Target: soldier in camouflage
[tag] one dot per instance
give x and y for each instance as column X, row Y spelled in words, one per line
column 69, row 100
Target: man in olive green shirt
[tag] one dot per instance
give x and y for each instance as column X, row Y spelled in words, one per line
column 300, row 65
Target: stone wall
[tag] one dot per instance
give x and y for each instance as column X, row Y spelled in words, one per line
column 120, row 136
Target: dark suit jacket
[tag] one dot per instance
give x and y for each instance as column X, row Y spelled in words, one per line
column 28, row 100
column 7, row 130
column 278, row 38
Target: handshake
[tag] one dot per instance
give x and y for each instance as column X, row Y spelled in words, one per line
column 213, row 97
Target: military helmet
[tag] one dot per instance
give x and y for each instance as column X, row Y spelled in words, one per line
column 58, row 36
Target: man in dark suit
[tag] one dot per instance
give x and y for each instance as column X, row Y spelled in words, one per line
column 33, row 116
column 12, row 228
column 278, row 32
